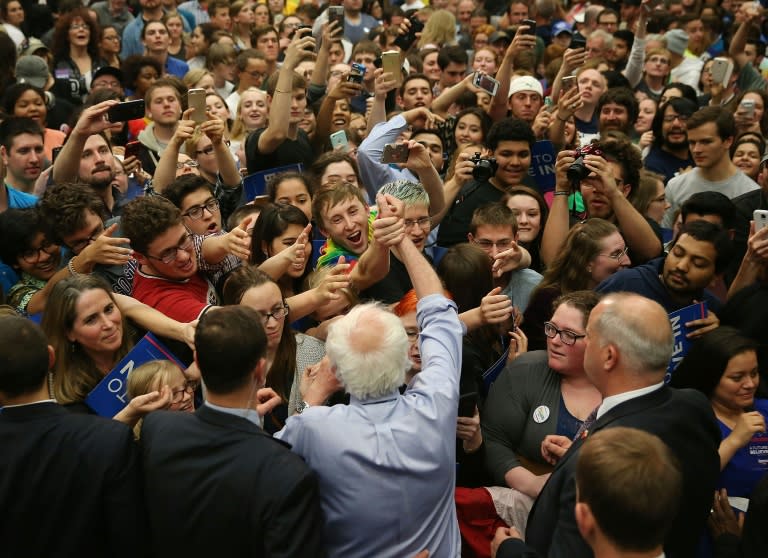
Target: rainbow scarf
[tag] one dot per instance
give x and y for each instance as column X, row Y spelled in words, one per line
column 330, row 252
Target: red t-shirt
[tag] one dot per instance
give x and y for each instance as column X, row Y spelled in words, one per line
column 183, row 301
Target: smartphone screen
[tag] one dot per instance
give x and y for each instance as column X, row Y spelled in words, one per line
column 196, row 100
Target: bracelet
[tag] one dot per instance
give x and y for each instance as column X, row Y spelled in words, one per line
column 71, row 268
column 561, row 119
column 282, row 91
column 559, row 193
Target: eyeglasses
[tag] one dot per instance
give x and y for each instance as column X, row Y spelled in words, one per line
column 503, row 244
column 32, row 255
column 256, row 75
column 680, row 117
column 178, row 394
column 169, row 256
column 80, row 245
column 618, row 255
column 196, row 211
column 79, row 26
column 422, row 222
column 192, row 164
column 412, row 334
column 278, row 314
column 566, row 336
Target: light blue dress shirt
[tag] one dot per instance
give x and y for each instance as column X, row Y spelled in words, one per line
column 387, row 466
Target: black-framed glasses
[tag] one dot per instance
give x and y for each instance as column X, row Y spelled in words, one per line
column 169, row 256
column 566, row 336
column 256, row 75
column 617, row 255
column 503, row 244
column 680, row 117
column 178, row 394
column 277, row 313
column 32, row 255
column 80, row 245
column 196, row 211
column 422, row 222
column 189, row 163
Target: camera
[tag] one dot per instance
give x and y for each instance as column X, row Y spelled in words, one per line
column 578, row 170
column 356, row 73
column 485, row 168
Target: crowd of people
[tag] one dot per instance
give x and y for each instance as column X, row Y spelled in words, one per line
column 445, row 278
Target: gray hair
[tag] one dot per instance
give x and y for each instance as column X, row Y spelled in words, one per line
column 369, row 349
column 644, row 343
column 602, row 34
column 410, row 193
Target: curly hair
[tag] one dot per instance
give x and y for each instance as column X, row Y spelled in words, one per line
column 146, row 218
column 619, row 149
column 62, row 209
column 60, row 44
column 132, row 68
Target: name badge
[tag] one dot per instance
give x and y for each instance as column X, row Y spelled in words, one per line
column 540, row 414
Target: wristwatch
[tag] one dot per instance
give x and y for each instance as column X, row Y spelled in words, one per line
column 301, row 407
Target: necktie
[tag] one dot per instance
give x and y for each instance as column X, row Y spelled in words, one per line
column 583, row 430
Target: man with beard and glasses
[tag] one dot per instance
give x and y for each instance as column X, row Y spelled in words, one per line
column 669, row 154
column 87, row 157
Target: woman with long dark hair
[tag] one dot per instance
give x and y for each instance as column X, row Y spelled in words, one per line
column 75, row 55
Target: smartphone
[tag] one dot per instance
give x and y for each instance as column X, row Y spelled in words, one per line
column 129, row 110
column 748, row 106
column 467, row 404
column 578, row 42
column 486, row 83
column 395, row 153
column 55, row 153
column 405, row 41
column 760, row 216
column 132, row 149
column 569, row 82
column 357, row 73
column 336, row 13
column 339, row 141
column 390, row 63
column 531, row 24
column 196, row 100
column 721, row 70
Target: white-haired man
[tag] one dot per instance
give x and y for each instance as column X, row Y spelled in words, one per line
column 386, row 462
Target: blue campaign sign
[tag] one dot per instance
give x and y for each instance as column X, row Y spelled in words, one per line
column 109, row 397
column 542, row 168
column 256, row 184
column 678, row 319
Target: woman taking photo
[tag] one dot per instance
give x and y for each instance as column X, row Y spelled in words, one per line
column 85, row 323
column 24, row 99
column 593, row 251
column 75, row 55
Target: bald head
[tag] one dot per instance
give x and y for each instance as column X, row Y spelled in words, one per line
column 639, row 330
column 369, row 350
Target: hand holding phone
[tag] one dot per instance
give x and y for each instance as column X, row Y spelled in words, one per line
column 129, row 110
column 395, row 153
column 486, row 83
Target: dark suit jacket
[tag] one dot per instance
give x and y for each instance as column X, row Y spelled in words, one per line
column 684, row 420
column 69, row 485
column 217, row 483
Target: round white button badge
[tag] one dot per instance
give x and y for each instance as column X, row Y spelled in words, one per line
column 540, row 414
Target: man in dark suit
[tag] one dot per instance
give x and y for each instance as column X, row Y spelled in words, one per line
column 629, row 344
column 69, row 484
column 214, row 480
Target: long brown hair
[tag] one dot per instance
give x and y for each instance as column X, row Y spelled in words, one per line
column 74, row 373
column 280, row 374
column 569, row 269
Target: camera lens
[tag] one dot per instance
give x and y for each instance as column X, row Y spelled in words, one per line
column 577, row 171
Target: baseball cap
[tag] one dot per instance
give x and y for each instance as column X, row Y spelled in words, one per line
column 525, row 83
column 33, row 70
column 108, row 71
column 498, row 36
column 561, row 27
column 33, row 45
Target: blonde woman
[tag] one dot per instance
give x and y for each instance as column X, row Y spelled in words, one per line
column 439, row 31
column 252, row 115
